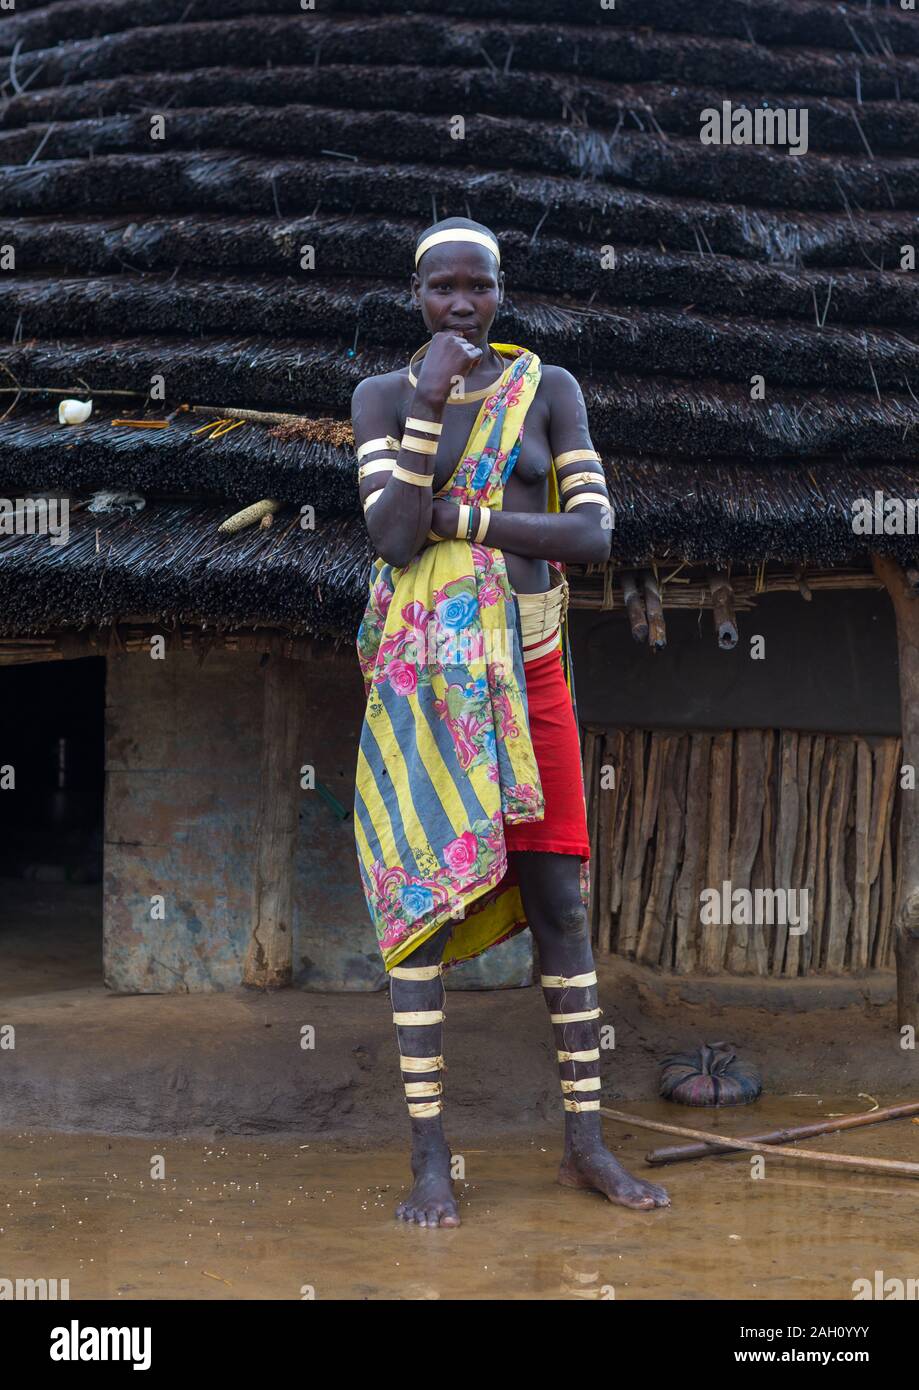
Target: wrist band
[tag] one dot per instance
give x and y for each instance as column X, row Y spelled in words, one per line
column 423, row 426
column 419, row 479
column 462, row 524
column 419, row 446
column 484, row 520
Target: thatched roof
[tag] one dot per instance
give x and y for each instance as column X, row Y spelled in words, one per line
column 179, row 258
column 169, row 562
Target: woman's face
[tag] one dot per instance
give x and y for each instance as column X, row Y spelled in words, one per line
column 459, row 288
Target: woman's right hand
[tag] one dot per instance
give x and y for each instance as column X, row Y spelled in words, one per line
column 449, row 356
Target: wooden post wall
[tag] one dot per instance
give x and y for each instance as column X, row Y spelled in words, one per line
column 762, row 810
column 906, row 897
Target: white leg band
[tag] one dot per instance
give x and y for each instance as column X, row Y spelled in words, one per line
column 576, row 1018
column 591, row 1055
column 424, row 1088
column 568, row 982
column 578, row 1105
column 416, row 972
column 421, row 1019
column 426, row 1110
column 420, row 1064
column 590, row 1083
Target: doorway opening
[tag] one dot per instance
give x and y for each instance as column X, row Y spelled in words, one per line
column 52, row 783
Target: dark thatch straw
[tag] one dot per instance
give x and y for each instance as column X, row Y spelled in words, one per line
column 231, row 183
column 554, row 266
column 169, row 562
column 682, row 167
column 243, row 466
column 332, row 129
column 761, row 22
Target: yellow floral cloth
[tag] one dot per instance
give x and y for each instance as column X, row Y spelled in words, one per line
column 445, row 755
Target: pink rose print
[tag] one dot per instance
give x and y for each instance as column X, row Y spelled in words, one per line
column 460, row 854
column 402, row 677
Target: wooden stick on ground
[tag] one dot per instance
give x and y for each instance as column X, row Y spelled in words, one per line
column 679, row 1153
column 885, row 1165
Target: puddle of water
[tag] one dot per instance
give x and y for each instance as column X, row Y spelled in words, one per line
column 250, row 1219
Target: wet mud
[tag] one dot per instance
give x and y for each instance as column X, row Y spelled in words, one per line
column 278, row 1219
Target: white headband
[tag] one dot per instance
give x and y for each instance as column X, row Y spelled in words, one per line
column 458, row 234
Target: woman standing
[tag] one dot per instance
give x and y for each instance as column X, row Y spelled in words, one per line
column 476, row 471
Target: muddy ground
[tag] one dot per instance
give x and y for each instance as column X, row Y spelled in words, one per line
column 236, row 1218
column 233, row 1064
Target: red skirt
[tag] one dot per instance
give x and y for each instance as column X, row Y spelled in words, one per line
column 556, row 744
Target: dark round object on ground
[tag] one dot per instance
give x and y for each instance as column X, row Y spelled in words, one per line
column 711, row 1075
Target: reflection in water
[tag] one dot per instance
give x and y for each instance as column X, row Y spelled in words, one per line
column 244, row 1218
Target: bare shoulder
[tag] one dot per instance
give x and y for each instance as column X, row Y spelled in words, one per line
column 387, row 389
column 561, row 388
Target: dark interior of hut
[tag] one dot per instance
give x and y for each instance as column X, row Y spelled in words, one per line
column 52, row 756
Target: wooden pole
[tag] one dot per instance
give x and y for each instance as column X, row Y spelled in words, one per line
column 906, row 905
column 634, row 605
column 657, row 630
column 714, row 935
column 269, row 957
column 886, row 1165
column 679, row 1153
column 723, row 611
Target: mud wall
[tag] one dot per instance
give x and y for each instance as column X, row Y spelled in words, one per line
column 182, row 761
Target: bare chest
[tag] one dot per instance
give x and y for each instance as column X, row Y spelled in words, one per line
column 526, row 489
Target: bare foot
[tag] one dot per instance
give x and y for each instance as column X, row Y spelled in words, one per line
column 431, row 1201
column 595, row 1168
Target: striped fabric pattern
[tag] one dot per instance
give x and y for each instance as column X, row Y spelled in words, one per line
column 445, row 758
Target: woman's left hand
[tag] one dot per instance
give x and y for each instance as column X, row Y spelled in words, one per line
column 444, row 518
